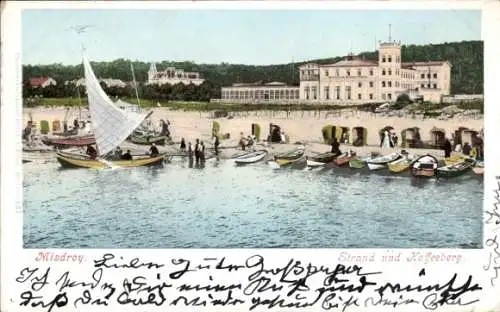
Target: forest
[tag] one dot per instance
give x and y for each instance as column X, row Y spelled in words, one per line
column 466, row 58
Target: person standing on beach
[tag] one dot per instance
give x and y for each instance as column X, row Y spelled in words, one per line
column 335, row 147
column 447, row 148
column 395, row 140
column 197, row 150
column 216, row 145
column 202, row 152
column 183, row 145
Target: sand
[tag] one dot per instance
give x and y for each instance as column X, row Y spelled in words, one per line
column 303, row 126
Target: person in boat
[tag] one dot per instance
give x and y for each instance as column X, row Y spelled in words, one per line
column 447, row 148
column 216, row 145
column 118, row 153
column 75, row 124
column 202, row 152
column 249, row 141
column 127, row 156
column 65, row 127
column 183, row 145
column 242, row 142
column 153, row 151
column 335, row 147
column 466, row 149
column 197, row 151
column 91, row 151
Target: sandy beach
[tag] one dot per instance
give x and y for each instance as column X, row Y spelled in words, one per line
column 303, row 126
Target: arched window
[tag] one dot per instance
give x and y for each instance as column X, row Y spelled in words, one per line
column 383, row 72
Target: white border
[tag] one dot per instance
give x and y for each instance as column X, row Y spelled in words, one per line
column 14, row 258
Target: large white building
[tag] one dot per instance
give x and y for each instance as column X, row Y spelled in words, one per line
column 259, row 92
column 172, row 76
column 355, row 80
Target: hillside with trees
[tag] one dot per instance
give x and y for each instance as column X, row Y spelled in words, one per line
column 466, row 58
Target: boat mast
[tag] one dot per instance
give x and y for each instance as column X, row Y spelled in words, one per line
column 135, row 84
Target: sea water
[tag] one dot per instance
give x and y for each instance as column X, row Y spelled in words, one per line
column 252, row 206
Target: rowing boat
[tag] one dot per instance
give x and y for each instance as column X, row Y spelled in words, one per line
column 69, row 141
column 424, row 166
column 381, row 162
column 479, row 168
column 319, row 159
column 343, row 160
column 148, row 139
column 357, row 163
column 81, row 162
column 454, row 159
column 289, row 158
column 400, row 165
column 454, row 170
column 250, row 157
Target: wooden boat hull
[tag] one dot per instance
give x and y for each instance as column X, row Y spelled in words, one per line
column 312, row 163
column 478, row 170
column 287, row 162
column 454, row 159
column 399, row 166
column 322, row 158
column 289, row 158
column 250, row 158
column 73, row 162
column 357, row 163
column 343, row 161
column 455, row 170
column 381, row 162
column 424, row 166
column 68, row 142
column 148, row 140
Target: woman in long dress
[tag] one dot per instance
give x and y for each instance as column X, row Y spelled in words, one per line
column 386, row 143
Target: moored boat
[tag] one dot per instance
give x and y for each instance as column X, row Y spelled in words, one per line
column 251, row 157
column 400, row 165
column 357, row 163
column 148, row 139
column 319, row 159
column 454, row 170
column 69, row 141
column 424, row 166
column 382, row 161
column 343, row 160
column 478, row 169
column 455, row 159
column 80, row 162
column 289, row 158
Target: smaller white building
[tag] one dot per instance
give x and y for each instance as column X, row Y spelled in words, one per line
column 42, row 82
column 172, row 76
column 276, row 92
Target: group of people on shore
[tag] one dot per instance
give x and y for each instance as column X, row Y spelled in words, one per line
column 198, row 153
column 474, row 150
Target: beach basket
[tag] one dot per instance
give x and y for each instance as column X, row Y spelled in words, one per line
column 326, row 132
column 216, row 130
column 256, row 131
column 44, row 127
column 56, row 125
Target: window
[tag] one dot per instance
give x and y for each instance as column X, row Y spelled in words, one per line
column 359, row 72
column 422, row 86
column 315, row 93
column 383, row 96
column 359, row 96
column 360, row 84
column 303, row 72
column 383, row 72
column 371, row 84
column 337, row 92
column 390, row 59
column 282, row 94
column 435, row 75
column 326, row 72
column 435, row 86
column 371, row 96
column 383, row 84
column 348, row 72
column 428, row 75
column 429, row 85
column 327, row 93
column 348, row 90
column 422, row 76
column 389, row 72
column 337, row 72
column 383, row 59
column 389, row 96
column 389, row 84
column 306, row 91
column 371, row 72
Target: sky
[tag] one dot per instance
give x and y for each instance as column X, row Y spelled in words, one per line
column 253, row 37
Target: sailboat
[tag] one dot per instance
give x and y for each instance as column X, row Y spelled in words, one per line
column 111, row 126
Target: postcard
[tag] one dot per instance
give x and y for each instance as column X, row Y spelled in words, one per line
column 250, row 156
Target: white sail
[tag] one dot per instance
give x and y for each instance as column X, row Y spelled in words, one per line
column 111, row 125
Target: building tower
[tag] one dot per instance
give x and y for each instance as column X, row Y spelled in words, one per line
column 152, row 72
column 389, row 61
